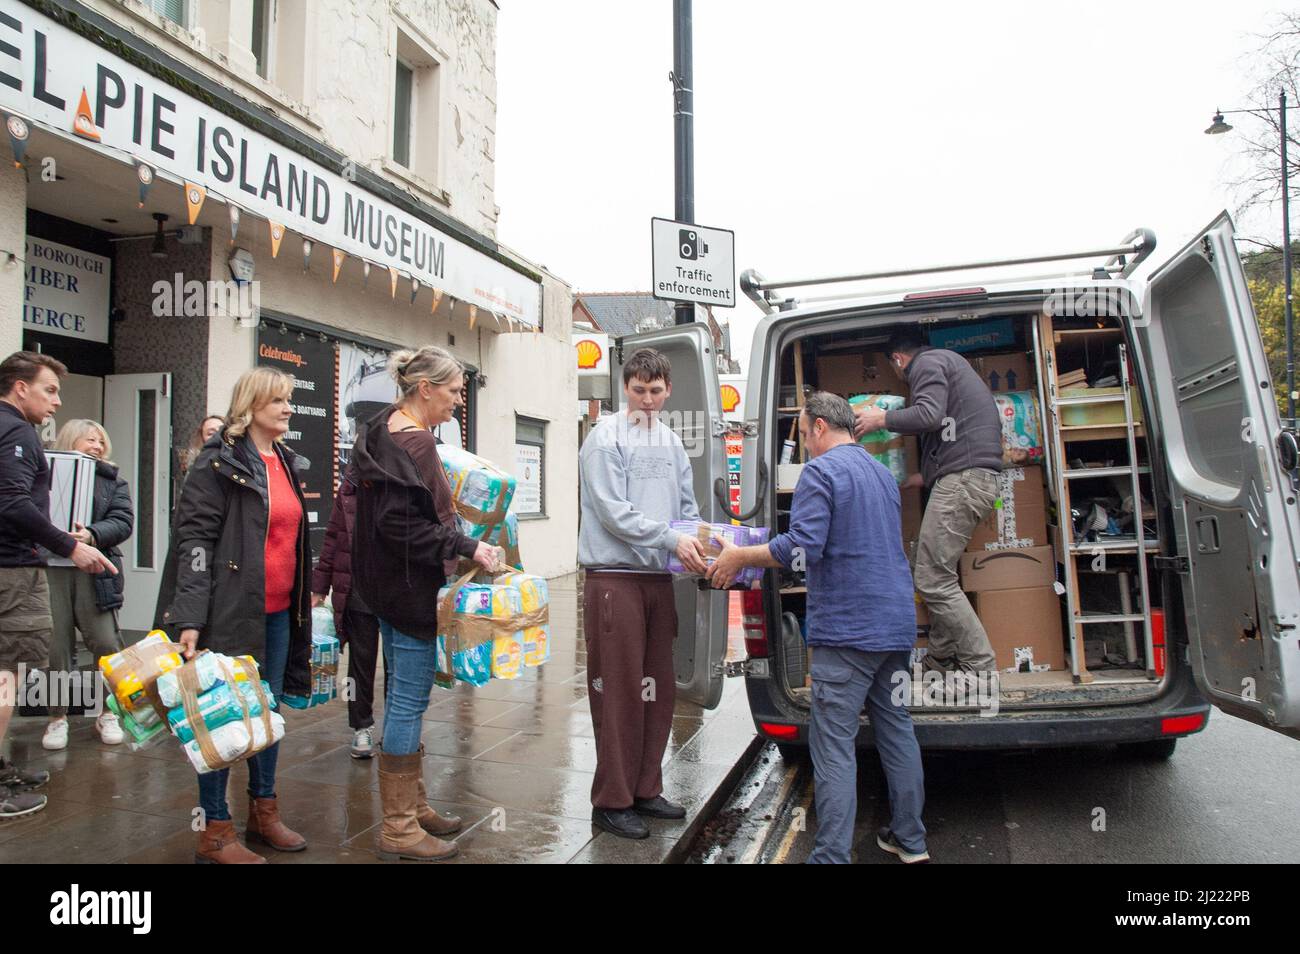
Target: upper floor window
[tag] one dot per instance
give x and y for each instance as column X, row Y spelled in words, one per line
column 260, row 43
column 403, row 93
column 173, row 10
column 416, row 114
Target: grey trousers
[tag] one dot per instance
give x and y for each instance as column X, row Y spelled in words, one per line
column 842, row 681
column 72, row 604
column 957, row 503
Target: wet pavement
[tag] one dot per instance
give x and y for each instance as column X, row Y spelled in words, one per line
column 514, row 759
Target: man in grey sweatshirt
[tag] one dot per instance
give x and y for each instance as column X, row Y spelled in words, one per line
column 960, row 437
column 635, row 479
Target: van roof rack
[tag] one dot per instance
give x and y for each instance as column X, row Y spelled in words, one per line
column 1138, row 244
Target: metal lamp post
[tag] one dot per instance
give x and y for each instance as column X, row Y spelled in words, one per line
column 1219, row 126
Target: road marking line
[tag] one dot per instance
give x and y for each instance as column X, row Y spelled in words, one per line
column 786, row 784
column 787, row 843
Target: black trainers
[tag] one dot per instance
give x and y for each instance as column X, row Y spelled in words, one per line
column 14, row 804
column 886, row 840
column 620, row 821
column 13, row 777
column 658, row 807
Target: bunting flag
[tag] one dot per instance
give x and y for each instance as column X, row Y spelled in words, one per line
column 18, row 136
column 415, row 288
column 365, row 274
column 83, row 124
column 392, row 274
column 437, row 299
column 144, row 175
column 339, row 257
column 234, row 222
column 277, row 233
column 195, row 195
column 473, row 316
column 306, row 255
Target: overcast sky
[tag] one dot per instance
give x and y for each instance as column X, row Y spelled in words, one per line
column 841, row 136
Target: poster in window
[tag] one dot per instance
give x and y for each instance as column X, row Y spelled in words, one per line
column 528, row 479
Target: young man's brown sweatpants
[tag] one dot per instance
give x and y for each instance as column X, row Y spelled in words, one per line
column 630, row 621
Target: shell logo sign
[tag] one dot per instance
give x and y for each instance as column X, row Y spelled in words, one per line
column 589, row 354
column 730, row 398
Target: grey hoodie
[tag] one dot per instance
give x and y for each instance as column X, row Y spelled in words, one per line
column 635, row 480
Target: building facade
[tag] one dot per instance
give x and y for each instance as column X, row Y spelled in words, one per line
column 201, row 186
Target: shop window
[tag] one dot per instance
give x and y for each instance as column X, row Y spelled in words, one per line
column 416, row 107
column 530, row 467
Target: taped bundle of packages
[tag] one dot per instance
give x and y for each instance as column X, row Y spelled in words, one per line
column 133, row 674
column 1022, row 429
column 219, row 706
column 471, row 618
column 139, row 736
column 504, row 535
column 252, row 725
column 481, row 491
column 535, row 600
column 209, row 674
column 322, row 621
column 707, row 533
column 885, row 446
column 324, row 666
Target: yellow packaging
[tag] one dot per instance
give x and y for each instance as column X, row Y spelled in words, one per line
column 534, row 595
column 131, row 674
column 507, row 656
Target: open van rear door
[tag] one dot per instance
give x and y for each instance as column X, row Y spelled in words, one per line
column 1234, row 507
column 694, row 412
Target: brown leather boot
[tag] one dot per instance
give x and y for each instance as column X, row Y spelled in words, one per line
column 218, row 845
column 425, row 813
column 264, row 825
column 401, row 835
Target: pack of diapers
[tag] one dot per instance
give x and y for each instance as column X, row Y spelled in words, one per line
column 885, row 446
column 534, row 597
column 235, row 741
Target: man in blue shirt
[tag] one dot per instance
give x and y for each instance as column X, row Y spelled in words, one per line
column 845, row 531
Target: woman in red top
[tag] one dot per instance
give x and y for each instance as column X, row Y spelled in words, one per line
column 237, row 583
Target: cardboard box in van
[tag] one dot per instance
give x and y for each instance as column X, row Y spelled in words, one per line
column 868, row 372
column 1021, row 520
column 1012, row 569
column 1024, row 627
column 1003, row 372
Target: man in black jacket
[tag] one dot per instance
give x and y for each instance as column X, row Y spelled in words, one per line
column 29, row 393
column 960, row 437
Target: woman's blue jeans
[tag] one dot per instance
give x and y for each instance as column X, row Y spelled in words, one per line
column 408, row 685
column 261, row 767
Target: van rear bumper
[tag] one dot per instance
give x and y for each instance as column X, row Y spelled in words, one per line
column 1009, row 729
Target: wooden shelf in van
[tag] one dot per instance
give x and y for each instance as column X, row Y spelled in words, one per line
column 1099, row 432
column 1065, row 334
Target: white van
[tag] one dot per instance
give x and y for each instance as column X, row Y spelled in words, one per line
column 1213, row 549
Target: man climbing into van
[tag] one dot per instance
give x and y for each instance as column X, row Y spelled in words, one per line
column 954, row 415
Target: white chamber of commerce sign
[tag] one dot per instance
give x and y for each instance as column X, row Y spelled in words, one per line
column 528, row 479
column 46, row 69
column 66, row 291
column 693, row 263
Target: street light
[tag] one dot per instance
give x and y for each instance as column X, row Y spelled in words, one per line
column 1219, row 126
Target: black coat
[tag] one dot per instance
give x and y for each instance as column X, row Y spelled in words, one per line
column 112, row 521
column 399, row 544
column 215, row 576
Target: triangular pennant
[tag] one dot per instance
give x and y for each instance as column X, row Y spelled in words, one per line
column 392, row 274
column 339, row 257
column 83, row 124
column 144, row 174
column 365, row 274
column 415, row 288
column 195, row 195
column 473, row 316
column 277, row 233
column 18, row 135
column 437, row 299
column 234, row 223
column 306, row 255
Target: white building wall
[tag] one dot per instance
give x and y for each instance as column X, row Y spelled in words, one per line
column 13, row 238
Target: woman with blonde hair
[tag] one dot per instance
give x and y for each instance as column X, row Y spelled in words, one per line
column 89, row 603
column 236, row 582
column 405, row 543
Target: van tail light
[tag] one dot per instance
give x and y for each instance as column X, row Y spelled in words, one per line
column 1182, row 725
column 782, row 733
column 1158, row 642
column 754, row 621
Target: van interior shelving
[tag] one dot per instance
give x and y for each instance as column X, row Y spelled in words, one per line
column 1093, row 524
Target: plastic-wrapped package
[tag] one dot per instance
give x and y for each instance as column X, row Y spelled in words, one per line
column 706, row 532
column 322, row 621
column 235, row 741
column 139, row 736
column 482, row 492
column 473, row 662
column 1022, row 430
column 208, row 668
column 218, row 706
column 535, row 599
column 132, row 675
column 885, row 446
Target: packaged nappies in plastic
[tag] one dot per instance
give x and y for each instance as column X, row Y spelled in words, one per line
column 140, row 736
column 477, row 617
column 885, row 446
column 322, row 621
column 482, row 492
column 706, row 532
column 133, row 673
column 235, row 741
column 1022, row 431
column 534, row 599
column 209, row 670
column 219, row 706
